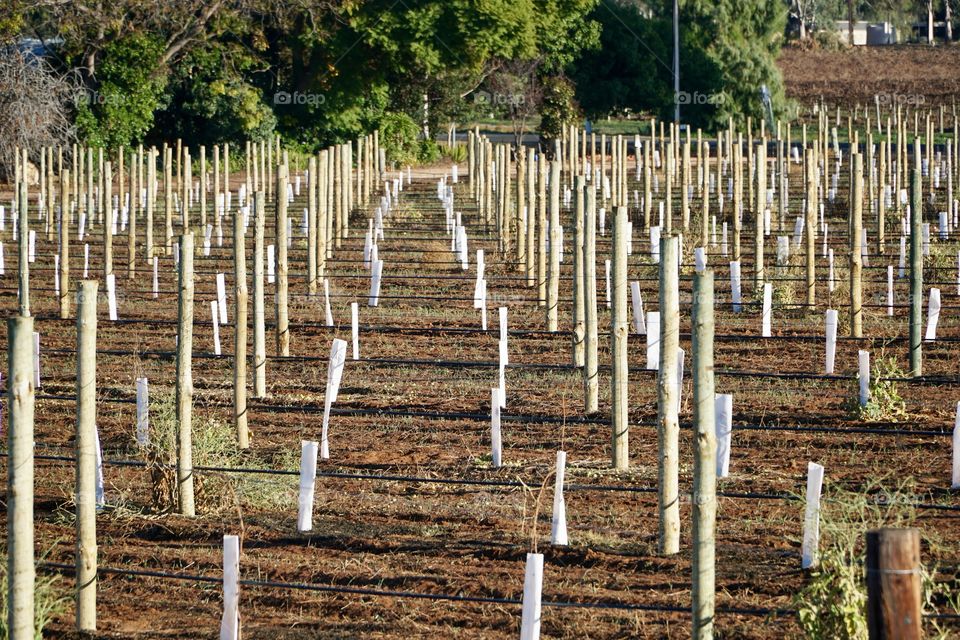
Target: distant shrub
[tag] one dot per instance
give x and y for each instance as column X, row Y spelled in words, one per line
column 429, row 153
column 457, row 153
column 400, row 138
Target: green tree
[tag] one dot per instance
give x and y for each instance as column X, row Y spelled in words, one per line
column 120, row 108
column 727, row 52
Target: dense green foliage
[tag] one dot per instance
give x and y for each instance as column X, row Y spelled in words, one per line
column 321, row 72
column 121, row 106
column 727, row 52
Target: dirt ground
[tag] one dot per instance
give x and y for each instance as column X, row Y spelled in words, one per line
column 911, row 75
column 415, row 407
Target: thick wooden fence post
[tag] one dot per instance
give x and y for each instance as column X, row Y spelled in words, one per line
column 21, row 572
column 591, row 381
column 23, row 255
column 856, row 245
column 579, row 306
column 704, row 458
column 916, row 264
column 151, row 201
column 759, row 214
column 893, row 585
column 553, row 273
column 135, row 163
column 618, row 345
column 108, row 221
column 64, row 274
column 86, row 445
column 668, row 427
column 240, row 332
column 259, row 328
column 312, row 226
column 185, row 377
column 283, row 322
column 810, row 224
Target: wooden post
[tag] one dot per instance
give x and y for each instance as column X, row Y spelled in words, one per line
column 521, row 177
column 185, row 179
column 684, row 189
column 532, row 218
column 553, row 277
column 705, row 212
column 312, row 226
column 216, row 184
column 259, row 329
column 322, row 214
column 856, row 245
column 542, row 232
column 240, row 332
column 345, row 177
column 91, row 202
column 108, row 221
column 916, row 264
column 759, row 214
column 893, row 584
column 21, row 572
column 185, row 377
column 167, row 198
column 619, row 380
column 579, row 307
column 704, row 458
column 86, row 453
column 64, row 274
column 203, row 188
column 668, row 167
column 151, row 200
column 668, row 427
column 591, row 380
column 331, row 206
column 280, row 234
column 132, row 218
column 337, row 209
column 23, row 255
column 737, row 195
column 811, row 221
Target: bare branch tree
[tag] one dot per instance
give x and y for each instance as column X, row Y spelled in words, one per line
column 35, row 106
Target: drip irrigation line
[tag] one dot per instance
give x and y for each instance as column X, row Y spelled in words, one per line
column 510, row 484
column 480, row 364
column 533, row 419
column 391, row 593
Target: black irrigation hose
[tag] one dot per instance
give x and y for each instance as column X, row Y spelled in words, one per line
column 388, row 593
column 480, row 364
column 535, row 419
column 513, row 484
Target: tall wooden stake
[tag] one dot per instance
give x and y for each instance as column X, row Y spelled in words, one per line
column 259, row 329
column 704, row 458
column 916, row 264
column 553, row 276
column 185, row 377
column 283, row 323
column 893, row 585
column 240, row 333
column 64, row 274
column 20, row 400
column 86, row 445
column 591, row 381
column 668, row 427
column 619, row 398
